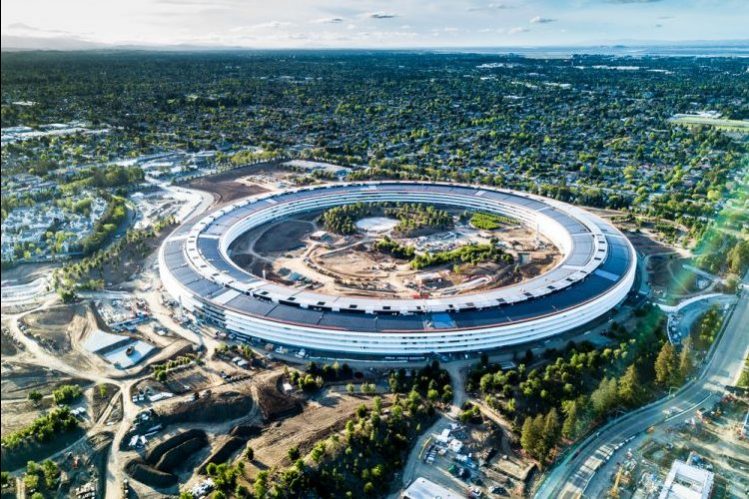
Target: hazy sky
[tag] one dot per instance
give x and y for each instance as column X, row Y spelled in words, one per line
column 365, row 23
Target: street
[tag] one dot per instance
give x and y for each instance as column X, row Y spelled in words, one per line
column 572, row 476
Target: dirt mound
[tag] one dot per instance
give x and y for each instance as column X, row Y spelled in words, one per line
column 236, row 440
column 244, row 431
column 223, row 452
column 148, row 475
column 273, row 403
column 155, row 454
column 57, row 327
column 214, row 408
column 156, row 470
column 177, row 456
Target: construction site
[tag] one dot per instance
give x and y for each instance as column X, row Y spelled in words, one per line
column 299, row 252
column 701, row 456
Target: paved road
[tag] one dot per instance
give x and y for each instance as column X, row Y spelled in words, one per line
column 680, row 324
column 572, row 475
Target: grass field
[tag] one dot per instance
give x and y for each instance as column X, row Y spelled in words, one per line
column 489, row 221
column 723, row 124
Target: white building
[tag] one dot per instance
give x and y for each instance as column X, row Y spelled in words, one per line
column 596, row 274
column 421, row 488
column 687, row 482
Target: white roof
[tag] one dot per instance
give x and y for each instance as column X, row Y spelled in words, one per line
column 587, row 250
column 687, row 482
column 99, row 340
column 421, row 488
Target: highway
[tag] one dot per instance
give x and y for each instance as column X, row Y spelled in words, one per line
column 570, row 477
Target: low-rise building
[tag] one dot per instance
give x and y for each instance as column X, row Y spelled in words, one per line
column 685, row 481
column 421, row 488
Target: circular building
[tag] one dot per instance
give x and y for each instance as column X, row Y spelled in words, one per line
column 594, row 275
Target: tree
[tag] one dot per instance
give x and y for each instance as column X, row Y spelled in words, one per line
column 486, row 383
column 532, row 437
column 569, row 427
column 249, row 453
column 31, row 481
column 102, row 390
column 551, row 429
column 528, row 436
column 605, row 397
column 541, row 448
column 666, row 365
column 35, row 396
column 66, row 394
column 260, row 487
column 368, row 388
column 629, row 386
column 377, row 406
column 686, row 364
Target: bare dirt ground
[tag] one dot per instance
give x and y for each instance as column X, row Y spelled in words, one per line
column 284, row 252
column 60, row 330
column 321, row 417
column 53, row 326
column 669, row 276
column 100, row 397
column 228, row 186
column 286, row 236
column 27, row 272
column 192, row 379
column 131, row 261
column 645, row 243
column 19, row 378
column 218, row 410
column 8, row 345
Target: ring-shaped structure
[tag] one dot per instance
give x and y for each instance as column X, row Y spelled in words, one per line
column 595, row 274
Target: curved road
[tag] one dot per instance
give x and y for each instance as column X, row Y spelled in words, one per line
column 571, row 476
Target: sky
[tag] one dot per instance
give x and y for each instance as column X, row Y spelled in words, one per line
column 368, row 23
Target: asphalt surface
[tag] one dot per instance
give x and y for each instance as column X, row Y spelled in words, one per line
column 571, row 477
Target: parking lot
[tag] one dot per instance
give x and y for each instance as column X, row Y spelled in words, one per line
column 474, row 460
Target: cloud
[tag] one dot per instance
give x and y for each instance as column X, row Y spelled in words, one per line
column 633, row 1
column 542, row 20
column 25, row 28
column 518, row 29
column 381, row 15
column 491, row 6
column 328, row 20
column 21, row 27
column 270, row 25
